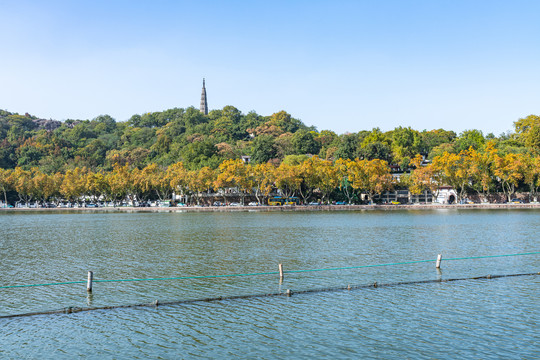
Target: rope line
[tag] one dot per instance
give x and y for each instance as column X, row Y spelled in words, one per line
column 156, row 303
column 266, row 273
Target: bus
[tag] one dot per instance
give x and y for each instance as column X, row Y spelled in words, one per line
column 281, row 200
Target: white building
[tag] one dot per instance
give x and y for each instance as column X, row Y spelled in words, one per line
column 446, row 195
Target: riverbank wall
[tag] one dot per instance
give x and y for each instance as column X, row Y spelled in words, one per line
column 263, row 208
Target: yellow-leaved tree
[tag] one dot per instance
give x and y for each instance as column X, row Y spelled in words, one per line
column 326, row 177
column 201, row 180
column 309, row 176
column 118, row 182
column 23, row 184
column 531, row 175
column 420, row 179
column 74, row 185
column 45, row 186
column 178, row 178
column 288, row 178
column 370, row 177
column 481, row 170
column 509, row 169
column 6, row 182
column 263, row 178
column 233, row 174
column 141, row 184
column 96, row 185
column 343, row 166
column 160, row 181
column 455, row 170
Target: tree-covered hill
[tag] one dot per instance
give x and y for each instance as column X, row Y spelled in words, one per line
column 199, row 140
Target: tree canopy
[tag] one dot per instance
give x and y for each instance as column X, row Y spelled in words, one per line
column 198, row 140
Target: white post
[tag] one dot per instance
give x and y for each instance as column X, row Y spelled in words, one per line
column 438, row 263
column 89, row 283
column 281, row 271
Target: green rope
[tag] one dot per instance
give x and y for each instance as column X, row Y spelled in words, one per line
column 271, row 272
column 492, row 256
column 360, row 266
column 409, row 262
column 28, row 285
column 189, row 277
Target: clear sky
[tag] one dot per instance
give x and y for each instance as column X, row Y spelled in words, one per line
column 338, row 65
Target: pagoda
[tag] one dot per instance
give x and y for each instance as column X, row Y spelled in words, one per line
column 204, row 103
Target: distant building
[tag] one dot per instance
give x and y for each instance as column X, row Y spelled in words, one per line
column 246, row 159
column 204, row 102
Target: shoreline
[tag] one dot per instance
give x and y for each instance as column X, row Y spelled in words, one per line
column 268, row 208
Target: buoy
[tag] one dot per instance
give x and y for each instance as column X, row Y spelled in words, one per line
column 89, row 282
column 438, row 263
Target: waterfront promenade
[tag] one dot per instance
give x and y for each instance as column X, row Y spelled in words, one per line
column 488, row 206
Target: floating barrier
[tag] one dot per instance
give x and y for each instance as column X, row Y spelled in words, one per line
column 288, row 293
column 281, row 272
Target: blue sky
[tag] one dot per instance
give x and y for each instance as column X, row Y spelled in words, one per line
column 338, row 65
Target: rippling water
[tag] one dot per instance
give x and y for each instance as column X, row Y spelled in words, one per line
column 495, row 318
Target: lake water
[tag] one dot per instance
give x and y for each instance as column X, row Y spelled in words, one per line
column 482, row 318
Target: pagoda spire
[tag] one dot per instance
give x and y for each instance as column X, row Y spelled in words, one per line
column 204, row 103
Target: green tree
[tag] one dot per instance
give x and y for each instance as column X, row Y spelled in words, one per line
column 347, row 148
column 200, row 153
column 104, row 124
column 286, row 123
column 532, row 138
column 375, row 150
column 304, row 142
column 263, row 148
column 524, row 126
column 434, row 138
column 406, row 143
column 376, row 135
column 469, row 139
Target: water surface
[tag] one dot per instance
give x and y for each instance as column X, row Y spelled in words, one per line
column 495, row 318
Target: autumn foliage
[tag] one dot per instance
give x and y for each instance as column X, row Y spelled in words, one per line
column 181, row 151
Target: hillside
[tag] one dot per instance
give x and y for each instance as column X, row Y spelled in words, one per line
column 201, row 140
